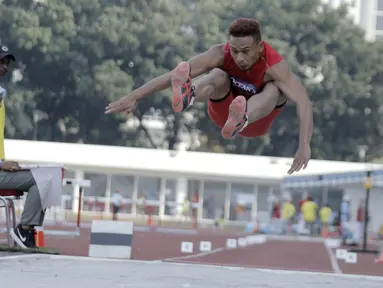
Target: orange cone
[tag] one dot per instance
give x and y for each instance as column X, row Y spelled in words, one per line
column 39, row 237
column 150, row 220
column 324, row 232
column 371, row 237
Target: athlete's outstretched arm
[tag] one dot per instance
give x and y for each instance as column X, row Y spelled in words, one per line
column 199, row 65
column 290, row 85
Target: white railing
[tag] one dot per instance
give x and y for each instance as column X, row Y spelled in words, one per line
column 99, row 208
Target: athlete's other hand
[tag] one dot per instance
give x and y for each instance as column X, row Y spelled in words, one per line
column 125, row 105
column 301, row 159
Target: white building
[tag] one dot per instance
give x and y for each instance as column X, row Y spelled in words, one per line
column 368, row 14
column 167, row 178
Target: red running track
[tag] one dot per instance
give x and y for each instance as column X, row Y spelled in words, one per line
column 274, row 254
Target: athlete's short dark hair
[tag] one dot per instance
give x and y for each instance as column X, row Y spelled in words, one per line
column 244, row 27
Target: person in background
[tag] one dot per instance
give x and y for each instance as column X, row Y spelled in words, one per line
column 360, row 222
column 275, row 223
column 325, row 218
column 345, row 218
column 301, row 221
column 117, row 201
column 209, row 206
column 380, row 235
column 185, row 209
column 140, row 205
column 317, row 223
column 288, row 213
column 309, row 210
column 220, row 221
column 194, row 206
column 276, row 212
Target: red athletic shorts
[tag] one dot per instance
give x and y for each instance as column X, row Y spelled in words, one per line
column 219, row 112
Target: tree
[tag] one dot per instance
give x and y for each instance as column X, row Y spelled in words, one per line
column 80, row 55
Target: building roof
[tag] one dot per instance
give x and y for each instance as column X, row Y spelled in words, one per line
column 152, row 162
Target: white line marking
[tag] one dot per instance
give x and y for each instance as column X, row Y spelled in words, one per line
column 258, row 267
column 86, row 258
column 295, row 238
column 271, row 271
column 333, row 260
column 352, row 276
column 18, row 257
column 214, row 251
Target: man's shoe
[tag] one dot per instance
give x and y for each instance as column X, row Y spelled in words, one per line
column 24, row 238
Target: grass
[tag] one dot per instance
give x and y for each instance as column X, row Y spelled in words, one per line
column 6, row 248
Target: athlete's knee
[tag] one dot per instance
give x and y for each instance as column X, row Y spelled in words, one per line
column 272, row 90
column 220, row 84
column 274, row 93
column 219, row 75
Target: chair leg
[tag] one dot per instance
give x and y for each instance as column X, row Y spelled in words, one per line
column 14, row 220
column 7, row 220
column 12, row 206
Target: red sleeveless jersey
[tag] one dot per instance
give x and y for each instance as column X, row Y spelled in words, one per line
column 251, row 82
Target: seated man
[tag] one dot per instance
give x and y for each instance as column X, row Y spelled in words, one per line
column 12, row 178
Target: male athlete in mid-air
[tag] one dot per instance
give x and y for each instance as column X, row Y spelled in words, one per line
column 247, row 86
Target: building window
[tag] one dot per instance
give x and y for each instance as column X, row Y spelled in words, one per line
column 124, row 184
column 379, row 5
column 242, row 199
column 149, row 189
column 214, row 199
column 98, row 185
column 379, row 23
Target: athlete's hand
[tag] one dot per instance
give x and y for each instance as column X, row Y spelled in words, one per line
column 10, row 166
column 301, row 159
column 126, row 105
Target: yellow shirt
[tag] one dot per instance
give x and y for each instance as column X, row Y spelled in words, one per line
column 186, row 206
column 324, row 214
column 288, row 210
column 309, row 209
column 2, row 125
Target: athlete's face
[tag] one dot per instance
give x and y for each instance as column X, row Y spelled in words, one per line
column 4, row 63
column 245, row 51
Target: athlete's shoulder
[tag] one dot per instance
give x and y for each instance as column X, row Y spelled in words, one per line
column 271, row 55
column 219, row 48
column 217, row 52
column 269, row 49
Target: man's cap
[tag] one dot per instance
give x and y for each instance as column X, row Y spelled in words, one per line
column 4, row 52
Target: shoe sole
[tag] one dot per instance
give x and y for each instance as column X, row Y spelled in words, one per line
column 237, row 110
column 178, row 77
column 17, row 240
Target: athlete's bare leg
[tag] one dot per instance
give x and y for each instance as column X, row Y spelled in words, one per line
column 214, row 85
column 264, row 103
column 257, row 107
